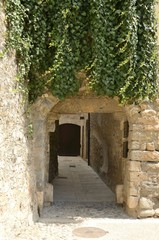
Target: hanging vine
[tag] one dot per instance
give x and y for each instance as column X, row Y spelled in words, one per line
column 112, row 43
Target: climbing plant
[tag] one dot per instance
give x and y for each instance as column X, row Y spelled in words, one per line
column 112, row 43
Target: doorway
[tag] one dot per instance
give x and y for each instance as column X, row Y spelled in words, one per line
column 69, row 140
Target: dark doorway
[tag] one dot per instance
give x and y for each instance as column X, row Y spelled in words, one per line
column 69, row 140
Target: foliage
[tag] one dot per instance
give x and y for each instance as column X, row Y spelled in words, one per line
column 113, row 42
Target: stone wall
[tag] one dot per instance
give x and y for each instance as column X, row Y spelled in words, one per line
column 141, row 191
column 106, row 147
column 42, row 124
column 17, row 199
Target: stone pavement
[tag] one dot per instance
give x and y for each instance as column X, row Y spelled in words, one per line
column 77, row 182
column 79, row 203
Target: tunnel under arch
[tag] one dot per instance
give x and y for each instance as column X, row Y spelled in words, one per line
column 137, row 153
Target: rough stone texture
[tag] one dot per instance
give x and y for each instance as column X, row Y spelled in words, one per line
column 48, row 196
column 44, row 112
column 17, row 199
column 106, row 147
column 40, row 152
column 139, row 173
column 119, row 194
column 147, row 213
column 146, row 203
column 142, row 168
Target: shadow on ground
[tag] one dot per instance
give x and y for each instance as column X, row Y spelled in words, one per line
column 66, row 212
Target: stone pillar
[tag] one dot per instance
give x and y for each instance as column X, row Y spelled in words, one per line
column 141, row 187
column 39, row 114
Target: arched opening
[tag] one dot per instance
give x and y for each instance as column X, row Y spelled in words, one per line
column 69, row 140
column 98, row 139
column 98, row 124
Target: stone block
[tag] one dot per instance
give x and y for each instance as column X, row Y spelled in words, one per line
column 133, row 191
column 137, row 127
column 134, row 166
column 144, row 156
column 134, row 176
column 150, row 146
column 119, row 194
column 137, row 136
column 150, row 167
column 134, row 184
column 149, row 190
column 151, row 127
column 148, row 113
column 146, row 213
column 134, row 145
column 133, row 113
column 143, row 146
column 157, row 212
column 48, row 193
column 132, row 201
column 146, row 203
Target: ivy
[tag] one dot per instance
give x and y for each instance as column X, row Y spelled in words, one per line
column 110, row 43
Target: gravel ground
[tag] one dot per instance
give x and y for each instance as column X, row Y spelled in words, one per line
column 60, row 220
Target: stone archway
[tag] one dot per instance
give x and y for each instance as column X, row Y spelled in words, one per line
column 137, row 189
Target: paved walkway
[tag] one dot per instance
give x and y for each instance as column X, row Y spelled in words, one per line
column 82, row 201
column 77, row 182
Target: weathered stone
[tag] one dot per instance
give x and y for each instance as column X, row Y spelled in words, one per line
column 40, row 201
column 134, row 176
column 106, row 147
column 157, row 212
column 119, row 194
column 153, row 127
column 133, row 113
column 150, row 167
column 148, row 113
column 133, row 191
column 150, row 146
column 137, row 136
column 147, row 213
column 134, row 145
column 18, row 197
column 48, row 193
column 17, row 185
column 149, row 189
column 132, row 201
column 144, row 156
column 145, row 106
column 143, row 146
column 134, row 184
column 146, row 203
column 148, row 117
column 134, row 166
column 137, row 127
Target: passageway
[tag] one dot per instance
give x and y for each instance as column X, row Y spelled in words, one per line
column 80, row 194
column 77, row 182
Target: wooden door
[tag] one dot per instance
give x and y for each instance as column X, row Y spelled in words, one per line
column 69, row 140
